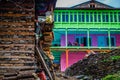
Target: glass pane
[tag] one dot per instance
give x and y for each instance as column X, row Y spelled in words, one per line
column 111, row 17
column 87, row 17
column 55, row 17
column 103, row 17
column 99, row 18
column 59, row 17
column 79, row 17
column 115, row 18
column 67, row 18
column 91, row 17
column 71, row 17
column 63, row 17
column 95, row 18
column 75, row 17
column 107, row 18
column 83, row 19
column 116, row 36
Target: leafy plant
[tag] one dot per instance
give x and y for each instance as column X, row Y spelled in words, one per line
column 112, row 77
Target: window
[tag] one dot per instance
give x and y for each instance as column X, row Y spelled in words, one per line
column 83, row 19
column 95, row 17
column 99, row 17
column 63, row 17
column 67, row 18
column 103, row 17
column 92, row 5
column 106, row 18
column 59, row 18
column 71, row 17
column 82, row 41
column 77, row 40
column 87, row 17
column 111, row 17
column 79, row 17
column 115, row 17
column 112, row 39
column 55, row 17
column 91, row 17
column 75, row 17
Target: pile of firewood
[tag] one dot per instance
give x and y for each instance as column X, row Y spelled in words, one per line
column 17, row 40
column 96, row 66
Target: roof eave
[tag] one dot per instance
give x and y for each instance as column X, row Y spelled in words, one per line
column 65, row 8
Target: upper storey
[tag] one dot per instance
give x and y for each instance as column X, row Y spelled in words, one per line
column 91, row 14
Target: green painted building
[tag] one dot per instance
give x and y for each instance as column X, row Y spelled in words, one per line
column 90, row 25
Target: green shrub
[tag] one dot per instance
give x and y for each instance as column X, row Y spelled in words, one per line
column 112, row 77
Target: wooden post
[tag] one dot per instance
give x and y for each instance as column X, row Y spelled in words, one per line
column 67, row 51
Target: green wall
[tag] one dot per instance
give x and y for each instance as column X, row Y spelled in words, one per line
column 86, row 18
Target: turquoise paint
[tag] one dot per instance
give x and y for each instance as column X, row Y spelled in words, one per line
column 57, row 55
column 101, row 41
column 79, row 19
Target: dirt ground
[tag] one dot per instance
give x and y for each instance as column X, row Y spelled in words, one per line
column 62, row 76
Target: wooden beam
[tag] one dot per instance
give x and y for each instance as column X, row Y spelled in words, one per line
column 17, row 39
column 17, row 62
column 16, row 23
column 80, row 49
column 67, row 56
column 16, row 15
column 17, row 29
column 17, row 57
column 17, row 33
column 23, row 45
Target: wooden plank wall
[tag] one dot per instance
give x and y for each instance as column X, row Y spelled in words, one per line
column 17, row 61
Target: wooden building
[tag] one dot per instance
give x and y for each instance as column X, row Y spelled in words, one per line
column 18, row 56
column 90, row 25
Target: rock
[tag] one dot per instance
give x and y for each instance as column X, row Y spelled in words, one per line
column 66, row 77
column 59, row 75
column 79, row 76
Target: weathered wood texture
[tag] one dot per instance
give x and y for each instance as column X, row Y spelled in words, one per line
column 17, row 61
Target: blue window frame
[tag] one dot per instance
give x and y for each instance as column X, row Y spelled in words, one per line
column 75, row 17
column 79, row 17
column 63, row 17
column 87, row 17
column 112, row 39
column 111, row 17
column 99, row 18
column 67, row 18
column 71, row 17
column 82, row 40
column 95, row 18
column 115, row 17
column 91, row 17
column 55, row 17
column 59, row 17
column 103, row 17
column 83, row 17
column 107, row 18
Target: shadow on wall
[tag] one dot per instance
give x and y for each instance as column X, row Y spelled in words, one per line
column 73, row 57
